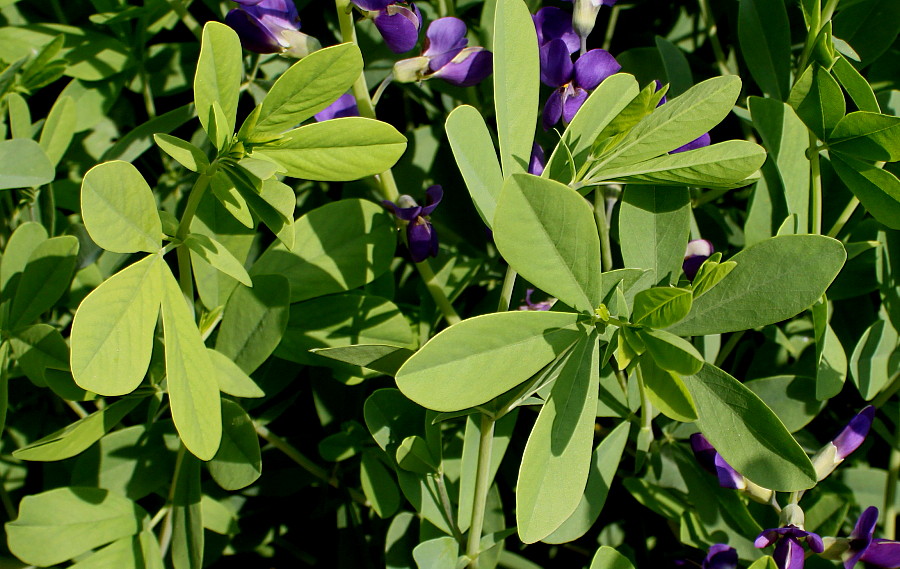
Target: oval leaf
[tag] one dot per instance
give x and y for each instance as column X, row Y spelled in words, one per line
column 238, row 461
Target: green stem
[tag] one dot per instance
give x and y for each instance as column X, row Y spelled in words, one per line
column 482, row 485
column 729, row 346
column 437, row 293
column 611, row 27
column 890, row 489
column 185, row 278
column 509, row 282
column 447, row 506
column 844, row 217
column 165, row 535
column 348, row 34
column 602, row 229
column 308, row 465
column 712, row 32
column 815, row 198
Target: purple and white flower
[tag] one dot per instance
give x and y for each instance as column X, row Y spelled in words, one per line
column 271, row 26
column 446, row 56
column 421, row 237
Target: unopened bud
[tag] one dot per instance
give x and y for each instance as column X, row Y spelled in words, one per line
column 411, row 70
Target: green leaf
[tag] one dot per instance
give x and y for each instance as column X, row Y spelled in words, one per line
column 774, row 280
column 676, row 123
column 63, row 523
column 667, row 392
column 77, row 437
column 765, row 38
column 118, row 209
column 45, row 278
column 337, row 247
column 670, row 352
column 378, row 486
column 602, row 106
column 413, row 455
column 218, row 76
column 791, row 397
column 232, row 379
column 516, row 83
column 870, row 363
column 19, row 117
column 766, row 562
column 831, row 361
column 855, row 85
column 608, row 558
column 184, row 152
column 56, row 135
column 377, row 357
column 254, row 321
column 747, row 434
column 724, row 165
column 137, row 552
column 877, row 190
column 709, row 275
column 476, row 159
column 658, row 222
column 870, row 136
column 37, row 348
column 140, row 139
column 546, row 232
column 307, row 87
column 238, row 463
column 437, row 553
column 557, row 457
column 787, row 140
column 604, row 464
column 343, row 320
column 660, row 307
column 870, row 26
column 24, row 164
column 218, row 256
column 337, row 150
column 112, row 333
column 190, row 376
column 447, row 373
column 187, row 516
column 678, row 70
column 22, row 243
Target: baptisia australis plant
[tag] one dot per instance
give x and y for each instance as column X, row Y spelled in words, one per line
column 862, row 546
column 271, row 26
column 398, row 22
column 446, row 56
column 421, row 238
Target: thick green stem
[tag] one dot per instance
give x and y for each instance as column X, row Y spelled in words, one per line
column 602, row 229
column 844, row 217
column 890, row 489
column 815, row 186
column 509, row 282
column 185, row 277
column 482, row 485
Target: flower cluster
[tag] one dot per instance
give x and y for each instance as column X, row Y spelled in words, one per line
column 421, row 237
column 446, row 55
column 271, row 26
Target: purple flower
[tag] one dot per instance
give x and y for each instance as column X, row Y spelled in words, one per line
column 551, row 23
column 573, row 82
column 862, row 547
column 789, row 553
column 713, row 462
column 537, row 162
column 720, row 556
column 529, row 305
column 697, row 251
column 270, row 26
column 373, row 5
column 447, row 57
column 344, row 106
column 420, row 235
column 847, row 441
column 399, row 25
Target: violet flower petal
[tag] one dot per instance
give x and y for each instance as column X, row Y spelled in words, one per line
column 399, row 26
column 700, row 142
column 721, row 556
column 696, row 252
column 405, row 213
column 556, row 64
column 373, row 5
column 254, row 36
column 593, row 67
column 552, row 23
column 276, row 15
column 704, row 452
column 422, row 239
column 789, row 554
column 344, row 106
column 853, row 435
column 883, row 553
column 728, row 476
column 536, row 164
column 572, row 102
column 444, row 38
column 433, row 196
column 553, row 109
column 471, row 66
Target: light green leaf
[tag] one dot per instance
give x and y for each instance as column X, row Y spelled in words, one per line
column 476, row 159
column 604, row 464
column 238, row 462
column 870, row 362
column 658, row 222
column 791, row 397
column 378, row 486
column 676, row 123
column 136, row 552
column 187, row 515
column 546, row 232
column 254, row 321
column 218, row 76
column 19, row 116
column 818, row 100
column 709, row 275
column 183, row 151
column 377, row 357
column 307, row 87
column 516, row 83
column 765, row 38
column 22, row 243
column 112, row 333
column 877, row 190
column 608, row 558
column 855, row 85
column 670, row 352
column 413, row 455
column 747, row 434
column 338, row 150
column 63, row 523
column 45, row 278
column 58, row 129
column 557, row 457
column 77, row 437
column 218, row 256
column 190, row 376
column 37, row 348
column 24, row 164
column 337, row 247
column 870, row 136
column 447, row 373
column 724, row 165
column 660, row 307
column 437, row 553
column 667, row 392
column 232, row 379
column 774, row 280
column 118, row 209
column 766, row 562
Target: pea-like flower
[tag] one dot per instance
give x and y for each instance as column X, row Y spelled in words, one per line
column 720, row 556
column 697, row 251
column 397, row 22
column 542, row 305
column 344, row 106
column 271, row 26
column 847, row 441
column 728, row 477
column 421, row 237
column 788, row 540
column 551, row 23
column 446, row 55
column 572, row 82
column 862, row 546
column 537, row 161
